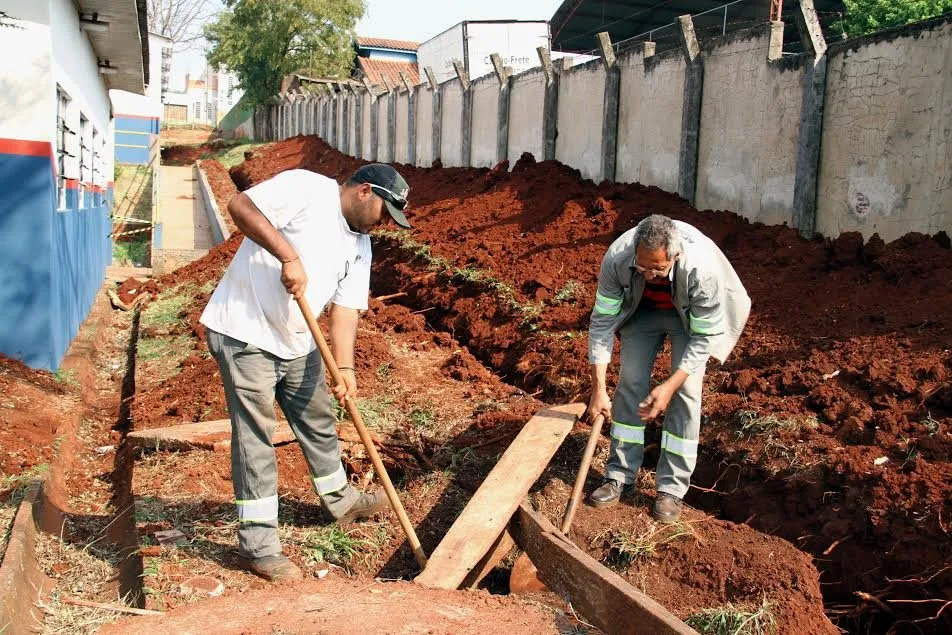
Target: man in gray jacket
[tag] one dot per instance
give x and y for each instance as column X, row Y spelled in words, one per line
column 663, row 278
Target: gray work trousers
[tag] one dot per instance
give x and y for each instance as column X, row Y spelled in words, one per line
column 253, row 379
column 641, row 339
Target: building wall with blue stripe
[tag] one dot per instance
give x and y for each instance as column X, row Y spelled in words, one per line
column 134, row 137
column 52, row 261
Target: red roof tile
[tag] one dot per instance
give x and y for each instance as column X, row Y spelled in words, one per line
column 384, row 43
column 375, row 70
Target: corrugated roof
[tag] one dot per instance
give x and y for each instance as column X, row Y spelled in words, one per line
column 375, row 70
column 575, row 23
column 384, row 43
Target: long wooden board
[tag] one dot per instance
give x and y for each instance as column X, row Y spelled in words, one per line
column 483, row 520
column 216, row 435
column 601, row 596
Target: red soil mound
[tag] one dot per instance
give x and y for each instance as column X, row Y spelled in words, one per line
column 848, row 349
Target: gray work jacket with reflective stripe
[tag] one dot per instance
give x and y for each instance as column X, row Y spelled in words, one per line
column 706, row 291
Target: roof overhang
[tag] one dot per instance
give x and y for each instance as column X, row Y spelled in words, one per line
column 125, row 43
column 576, row 22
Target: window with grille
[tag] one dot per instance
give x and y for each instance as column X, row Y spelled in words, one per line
column 85, row 160
column 96, row 169
column 198, row 110
column 63, row 133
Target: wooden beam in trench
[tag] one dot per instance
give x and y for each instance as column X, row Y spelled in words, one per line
column 481, row 524
column 597, row 593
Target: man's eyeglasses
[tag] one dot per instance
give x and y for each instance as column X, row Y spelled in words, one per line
column 655, row 273
column 397, row 201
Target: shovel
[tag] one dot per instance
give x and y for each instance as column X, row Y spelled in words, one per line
column 364, row 435
column 524, row 577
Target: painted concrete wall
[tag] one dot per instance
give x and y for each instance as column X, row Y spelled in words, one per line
column 485, row 121
column 525, row 116
column 54, row 222
column 384, row 155
column 750, row 123
column 650, row 105
column 451, row 141
column 581, row 107
column 402, row 143
column 886, row 154
column 424, row 127
column 367, row 111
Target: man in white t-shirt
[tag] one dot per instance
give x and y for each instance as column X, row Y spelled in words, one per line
column 305, row 236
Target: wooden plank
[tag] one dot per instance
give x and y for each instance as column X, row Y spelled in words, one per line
column 497, row 554
column 601, row 596
column 487, row 514
column 216, row 435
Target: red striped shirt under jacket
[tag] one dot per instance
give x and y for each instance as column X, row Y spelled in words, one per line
column 657, row 294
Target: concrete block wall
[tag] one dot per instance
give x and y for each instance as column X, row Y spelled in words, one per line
column 525, row 115
column 485, row 132
column 366, row 113
column 581, row 102
column 886, row 150
column 383, row 136
column 651, row 103
column 424, row 126
column 401, row 152
column 854, row 137
column 451, row 142
column 750, row 120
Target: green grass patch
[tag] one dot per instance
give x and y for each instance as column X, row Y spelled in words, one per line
column 66, row 377
column 570, row 292
column 751, row 423
column 629, row 546
column 165, row 309
column 235, row 155
column 422, row 418
column 733, row 620
column 132, row 253
column 337, row 546
column 152, row 348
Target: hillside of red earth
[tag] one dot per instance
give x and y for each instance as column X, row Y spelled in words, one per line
column 457, row 418
column 829, row 425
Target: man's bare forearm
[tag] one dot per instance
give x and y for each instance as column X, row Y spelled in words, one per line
column 256, row 226
column 599, row 376
column 343, row 333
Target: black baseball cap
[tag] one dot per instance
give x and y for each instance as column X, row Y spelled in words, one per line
column 388, row 185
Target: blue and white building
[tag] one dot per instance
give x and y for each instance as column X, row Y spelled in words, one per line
column 58, row 61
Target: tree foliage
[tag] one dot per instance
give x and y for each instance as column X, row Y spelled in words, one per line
column 263, row 40
column 180, row 20
column 867, row 16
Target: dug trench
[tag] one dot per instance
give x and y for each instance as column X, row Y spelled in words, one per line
column 825, row 435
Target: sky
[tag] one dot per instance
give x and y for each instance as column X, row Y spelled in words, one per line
column 416, row 20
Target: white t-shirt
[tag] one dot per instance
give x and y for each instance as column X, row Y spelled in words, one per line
column 251, row 304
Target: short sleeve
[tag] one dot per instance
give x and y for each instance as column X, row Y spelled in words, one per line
column 283, row 196
column 354, row 290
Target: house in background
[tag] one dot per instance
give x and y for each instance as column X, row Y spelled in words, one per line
column 206, row 100
column 139, row 117
column 381, row 60
column 56, row 162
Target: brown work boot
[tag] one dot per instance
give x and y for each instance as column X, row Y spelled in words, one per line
column 276, row 568
column 606, row 495
column 365, row 507
column 667, row 508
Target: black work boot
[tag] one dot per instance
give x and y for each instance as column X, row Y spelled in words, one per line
column 606, row 495
column 667, row 508
column 365, row 507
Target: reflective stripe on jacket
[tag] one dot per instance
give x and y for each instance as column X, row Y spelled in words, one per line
column 707, row 294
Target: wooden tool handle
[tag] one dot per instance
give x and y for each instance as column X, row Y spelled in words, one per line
column 582, row 473
column 364, row 435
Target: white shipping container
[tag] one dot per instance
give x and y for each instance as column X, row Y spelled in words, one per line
column 471, row 43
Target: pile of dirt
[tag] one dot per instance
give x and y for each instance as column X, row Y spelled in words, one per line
column 222, row 186
column 835, row 407
column 34, row 405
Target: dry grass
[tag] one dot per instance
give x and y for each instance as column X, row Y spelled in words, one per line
column 736, row 620
column 82, row 570
column 628, row 546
